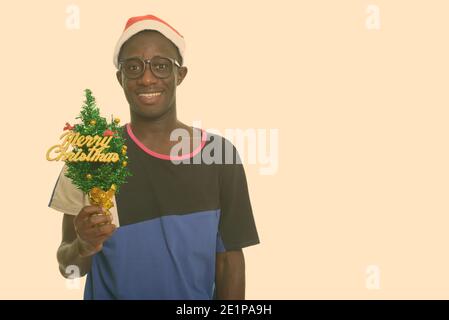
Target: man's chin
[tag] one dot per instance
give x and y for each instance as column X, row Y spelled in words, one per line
column 149, row 112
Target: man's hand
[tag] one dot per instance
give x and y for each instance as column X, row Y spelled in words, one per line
column 93, row 227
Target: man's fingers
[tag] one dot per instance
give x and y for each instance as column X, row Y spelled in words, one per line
column 89, row 210
column 92, row 223
column 105, row 230
column 102, row 238
column 94, row 231
column 89, row 233
column 93, row 238
column 99, row 218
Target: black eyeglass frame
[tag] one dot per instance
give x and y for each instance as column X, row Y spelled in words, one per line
column 146, row 62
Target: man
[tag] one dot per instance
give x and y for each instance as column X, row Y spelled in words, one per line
column 177, row 227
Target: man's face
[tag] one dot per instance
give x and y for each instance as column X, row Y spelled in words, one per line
column 146, row 45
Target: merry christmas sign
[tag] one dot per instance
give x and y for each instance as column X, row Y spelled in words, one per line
column 94, row 152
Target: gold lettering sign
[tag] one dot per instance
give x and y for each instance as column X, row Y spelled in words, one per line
column 96, row 149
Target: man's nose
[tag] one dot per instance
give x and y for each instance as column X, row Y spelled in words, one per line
column 148, row 77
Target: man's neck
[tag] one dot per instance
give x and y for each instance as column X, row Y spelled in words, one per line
column 155, row 129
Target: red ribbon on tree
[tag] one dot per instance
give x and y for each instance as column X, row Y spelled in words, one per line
column 68, row 126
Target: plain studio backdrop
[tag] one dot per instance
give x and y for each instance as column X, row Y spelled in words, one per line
column 357, row 91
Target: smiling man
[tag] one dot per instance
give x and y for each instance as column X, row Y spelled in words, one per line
column 177, row 229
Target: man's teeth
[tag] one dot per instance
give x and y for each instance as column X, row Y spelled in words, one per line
column 149, row 95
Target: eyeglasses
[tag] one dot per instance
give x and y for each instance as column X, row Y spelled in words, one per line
column 161, row 67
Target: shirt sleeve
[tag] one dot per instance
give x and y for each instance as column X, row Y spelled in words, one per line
column 237, row 228
column 66, row 197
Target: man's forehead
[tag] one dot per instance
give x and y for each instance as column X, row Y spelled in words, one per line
column 148, row 43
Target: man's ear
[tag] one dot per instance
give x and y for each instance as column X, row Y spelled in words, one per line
column 119, row 77
column 182, row 72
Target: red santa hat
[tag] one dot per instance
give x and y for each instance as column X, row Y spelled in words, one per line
column 149, row 22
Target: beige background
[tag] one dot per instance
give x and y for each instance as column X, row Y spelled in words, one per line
column 362, row 118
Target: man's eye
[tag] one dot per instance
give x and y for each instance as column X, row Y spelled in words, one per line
column 133, row 68
column 161, row 67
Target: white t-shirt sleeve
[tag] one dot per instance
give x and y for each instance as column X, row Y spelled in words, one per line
column 66, row 197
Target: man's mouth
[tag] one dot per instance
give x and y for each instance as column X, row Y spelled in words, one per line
column 149, row 97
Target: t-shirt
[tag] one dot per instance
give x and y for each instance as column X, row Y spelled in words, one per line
column 172, row 218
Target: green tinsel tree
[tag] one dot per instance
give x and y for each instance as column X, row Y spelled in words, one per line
column 87, row 175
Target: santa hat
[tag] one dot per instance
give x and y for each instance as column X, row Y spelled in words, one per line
column 149, row 22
